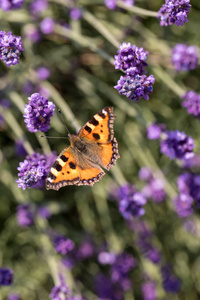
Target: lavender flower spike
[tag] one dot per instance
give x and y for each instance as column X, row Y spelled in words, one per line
column 176, row 144
column 10, row 48
column 174, row 12
column 8, row 5
column 185, row 58
column 136, row 87
column 6, row 276
column 192, row 103
column 38, row 112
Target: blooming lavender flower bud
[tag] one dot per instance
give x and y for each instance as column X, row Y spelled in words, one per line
column 154, row 131
column 37, row 7
column 63, row 245
column 171, row 283
column 75, row 13
column 38, row 112
column 136, row 87
column 6, row 276
column 14, row 297
column 174, row 12
column 176, row 144
column 183, row 205
column 145, row 174
column 130, row 56
column 44, row 212
column 25, row 215
column 8, row 5
column 111, row 4
column 149, row 290
column 192, row 103
column 60, row 291
column 43, row 73
column 185, row 58
column 106, row 258
column 131, row 202
column 47, row 25
column 85, row 250
column 34, row 169
column 10, row 48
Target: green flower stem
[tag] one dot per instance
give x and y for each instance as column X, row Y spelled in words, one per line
column 51, row 257
column 19, row 16
column 92, row 20
column 43, row 142
column 17, row 130
column 137, row 10
column 81, row 40
column 61, row 103
column 99, row 193
column 165, row 77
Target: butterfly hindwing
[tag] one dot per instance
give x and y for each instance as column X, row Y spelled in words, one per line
column 109, row 154
column 100, row 127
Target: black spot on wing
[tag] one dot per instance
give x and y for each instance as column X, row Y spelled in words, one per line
column 96, row 136
column 72, row 165
column 64, row 158
column 88, row 129
column 53, row 177
column 94, row 122
column 102, row 115
column 57, row 166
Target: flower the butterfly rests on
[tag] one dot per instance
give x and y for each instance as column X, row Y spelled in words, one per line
column 94, row 146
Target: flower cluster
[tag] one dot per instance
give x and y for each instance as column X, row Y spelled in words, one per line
column 60, row 291
column 155, row 186
column 63, row 245
column 154, row 131
column 176, row 144
column 111, row 4
column 149, row 290
column 38, row 112
column 8, row 5
column 174, row 12
column 134, row 85
column 34, row 169
column 192, row 103
column 10, row 48
column 25, row 215
column 130, row 202
column 185, row 58
column 6, row 276
column 171, row 283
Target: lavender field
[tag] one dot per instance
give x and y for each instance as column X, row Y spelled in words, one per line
column 116, row 216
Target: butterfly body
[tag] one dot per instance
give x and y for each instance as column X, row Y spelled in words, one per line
column 93, row 147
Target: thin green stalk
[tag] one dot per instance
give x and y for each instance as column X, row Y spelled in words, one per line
column 137, row 10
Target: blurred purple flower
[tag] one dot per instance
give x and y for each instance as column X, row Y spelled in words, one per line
column 149, row 290
column 193, row 162
column 183, row 205
column 5, row 103
column 44, row 212
column 25, row 215
column 14, row 297
column 171, row 283
column 32, row 33
column 63, row 245
column 145, row 174
column 136, row 87
column 34, row 169
column 106, row 258
column 60, row 292
column 130, row 202
column 47, row 25
column 43, row 73
column 37, row 7
column 6, row 276
column 145, row 244
column 19, row 148
column 8, row 5
column 10, row 48
column 69, row 262
column 38, row 112
column 111, row 4
column 130, row 56
column 154, row 131
column 75, row 13
column 185, row 58
column 174, row 12
column 192, row 103
column 85, row 250
column 105, row 289
column 176, row 144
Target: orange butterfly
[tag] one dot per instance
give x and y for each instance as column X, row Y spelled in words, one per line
column 80, row 162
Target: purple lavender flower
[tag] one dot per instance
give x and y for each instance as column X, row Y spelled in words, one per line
column 131, row 202
column 47, row 25
column 136, row 87
column 183, row 205
column 19, row 148
column 192, row 103
column 75, row 13
column 193, row 162
column 38, row 112
column 43, row 73
column 130, row 56
column 145, row 174
column 171, row 283
column 120, row 269
column 154, row 131
column 185, row 58
column 149, row 290
column 106, row 258
column 174, row 12
column 8, row 5
column 32, row 33
column 85, row 250
column 63, row 245
column 14, row 297
column 25, row 215
column 44, row 212
column 111, row 4
column 6, row 276
column 176, row 144
column 145, row 244
column 105, row 288
column 34, row 169
column 10, row 48
column 60, row 291
column 37, row 7
column 5, row 103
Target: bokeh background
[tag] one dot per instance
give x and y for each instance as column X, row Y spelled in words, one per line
column 78, row 53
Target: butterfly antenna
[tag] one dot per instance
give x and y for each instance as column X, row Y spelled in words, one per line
column 61, row 115
column 52, row 137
